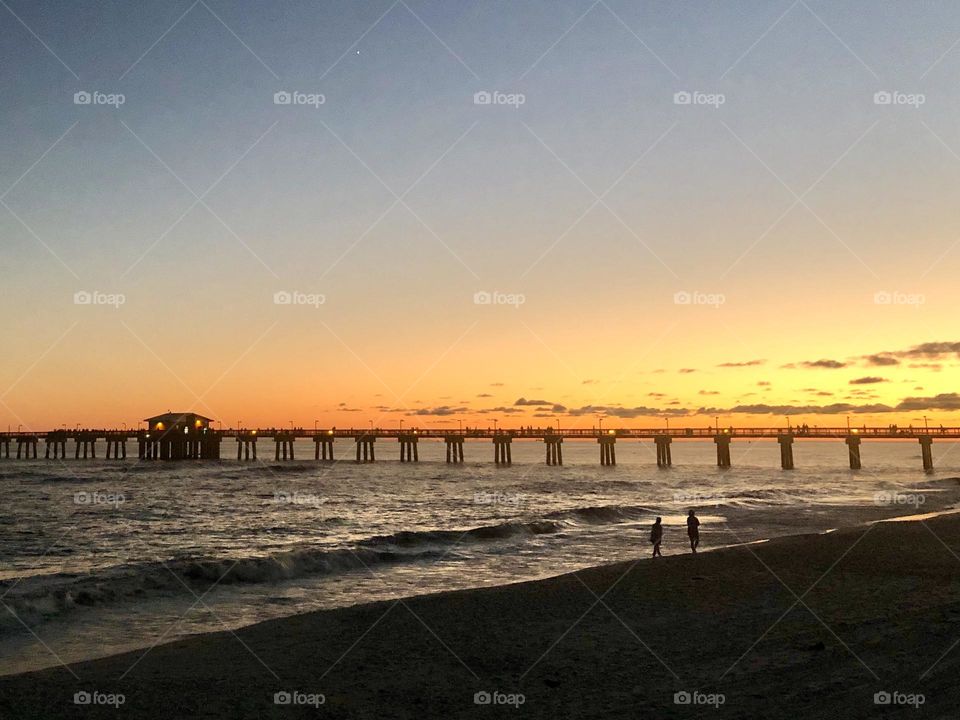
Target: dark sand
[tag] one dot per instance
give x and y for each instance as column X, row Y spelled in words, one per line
column 879, row 607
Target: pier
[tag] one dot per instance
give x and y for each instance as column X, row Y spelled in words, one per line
column 187, row 436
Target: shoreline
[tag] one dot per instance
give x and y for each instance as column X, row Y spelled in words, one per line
column 863, row 599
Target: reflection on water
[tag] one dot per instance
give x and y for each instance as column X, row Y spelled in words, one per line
column 100, row 556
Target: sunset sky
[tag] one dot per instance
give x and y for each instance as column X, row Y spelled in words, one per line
column 786, row 243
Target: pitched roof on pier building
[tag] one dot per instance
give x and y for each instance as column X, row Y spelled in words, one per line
column 184, row 421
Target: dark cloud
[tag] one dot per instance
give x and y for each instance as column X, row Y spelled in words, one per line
column 523, row 402
column 881, row 360
column 936, row 367
column 685, row 371
column 943, row 401
column 426, row 411
column 589, row 382
column 708, row 392
column 868, row 380
column 822, row 363
column 484, row 395
column 764, row 383
column 747, row 363
column 932, row 350
column 623, row 412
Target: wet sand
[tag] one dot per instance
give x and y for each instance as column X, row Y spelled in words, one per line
column 800, row 627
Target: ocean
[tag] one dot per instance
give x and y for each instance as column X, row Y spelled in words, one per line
column 101, row 556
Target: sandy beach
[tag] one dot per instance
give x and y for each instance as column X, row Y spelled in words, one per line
column 803, row 626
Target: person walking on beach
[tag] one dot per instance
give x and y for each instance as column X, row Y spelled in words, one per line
column 656, row 537
column 693, row 531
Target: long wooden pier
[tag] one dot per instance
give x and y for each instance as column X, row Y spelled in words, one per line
column 204, row 443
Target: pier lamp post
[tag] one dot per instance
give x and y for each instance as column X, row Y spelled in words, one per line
column 315, row 426
column 220, row 425
column 667, row 418
column 18, row 427
column 291, row 425
column 788, row 423
column 77, row 427
column 600, row 421
column 848, row 422
column 558, row 426
column 494, row 426
column 716, row 422
column 238, row 426
column 460, row 423
column 124, row 425
column 401, row 424
column 926, row 427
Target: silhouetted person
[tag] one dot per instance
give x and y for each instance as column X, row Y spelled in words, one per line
column 693, row 530
column 656, row 537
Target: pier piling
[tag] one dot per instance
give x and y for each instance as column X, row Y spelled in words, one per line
column 408, row 448
column 723, row 450
column 926, row 452
column 664, row 456
column 554, row 447
column 501, row 450
column 454, row 445
column 365, row 448
column 853, row 444
column 323, row 448
column 786, row 451
column 608, row 449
